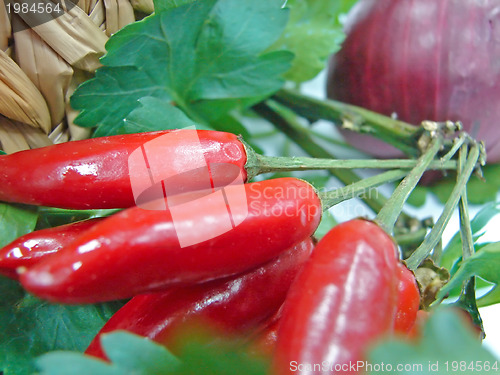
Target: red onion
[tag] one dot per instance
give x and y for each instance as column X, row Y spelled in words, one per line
column 422, row 60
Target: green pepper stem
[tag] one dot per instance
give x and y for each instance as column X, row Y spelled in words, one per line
column 389, row 214
column 398, row 133
column 463, row 211
column 359, row 188
column 286, row 121
column 259, row 164
column 435, row 234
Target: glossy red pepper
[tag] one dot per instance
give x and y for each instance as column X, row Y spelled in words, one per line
column 264, row 343
column 137, row 250
column 94, row 173
column 343, row 299
column 31, row 248
column 232, row 306
column 408, row 301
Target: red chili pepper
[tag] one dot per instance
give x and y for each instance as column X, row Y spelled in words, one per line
column 137, row 250
column 343, row 299
column 415, row 332
column 31, row 248
column 237, row 305
column 94, row 173
column 408, row 301
column 264, row 343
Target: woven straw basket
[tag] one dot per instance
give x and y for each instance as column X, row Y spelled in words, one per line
column 41, row 66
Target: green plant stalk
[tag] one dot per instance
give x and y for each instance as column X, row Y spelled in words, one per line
column 435, row 234
column 258, row 164
column 467, row 299
column 398, row 133
column 412, row 238
column 359, row 188
column 389, row 214
column 286, row 121
column 463, row 211
column 438, row 252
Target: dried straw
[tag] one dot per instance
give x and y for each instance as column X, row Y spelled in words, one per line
column 5, row 29
column 45, row 68
column 20, row 100
column 51, row 59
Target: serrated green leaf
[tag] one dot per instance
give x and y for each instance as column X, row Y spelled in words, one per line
column 155, row 114
column 218, row 57
column 480, row 283
column 161, row 5
column 68, row 363
column 445, row 338
column 31, row 327
column 135, row 355
column 14, row 222
column 484, row 264
column 138, row 354
column 453, row 249
column 313, row 33
column 109, row 97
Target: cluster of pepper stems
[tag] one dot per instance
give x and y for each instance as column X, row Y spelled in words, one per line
column 267, row 279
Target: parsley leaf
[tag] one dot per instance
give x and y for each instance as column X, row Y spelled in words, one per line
column 15, row 222
column 197, row 53
column 445, row 340
column 31, row 327
column 132, row 354
column 485, row 264
column 313, row 33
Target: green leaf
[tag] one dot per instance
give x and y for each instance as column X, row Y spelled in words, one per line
column 221, row 359
column 453, row 249
column 484, row 264
column 2, row 152
column 313, row 34
column 445, row 339
column 15, row 222
column 326, row 224
column 131, row 354
column 418, row 196
column 51, row 217
column 155, row 114
column 109, row 97
column 137, row 353
column 217, row 58
column 68, row 363
column 31, row 327
column 161, row 5
column 231, row 124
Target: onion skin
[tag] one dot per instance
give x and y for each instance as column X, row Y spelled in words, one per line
column 422, row 60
